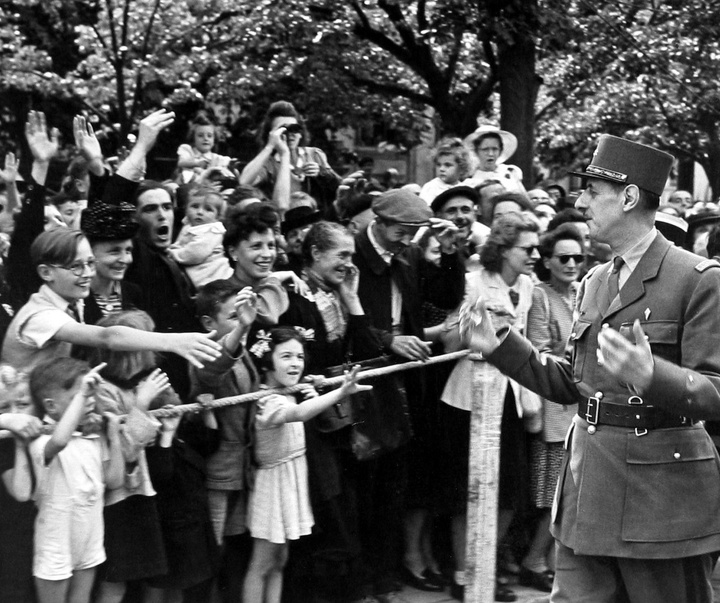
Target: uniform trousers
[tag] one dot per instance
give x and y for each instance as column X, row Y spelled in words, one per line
column 593, row 579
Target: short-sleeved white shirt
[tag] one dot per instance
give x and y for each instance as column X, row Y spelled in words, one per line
column 30, row 338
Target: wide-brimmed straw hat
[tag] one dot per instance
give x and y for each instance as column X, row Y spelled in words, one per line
column 509, row 141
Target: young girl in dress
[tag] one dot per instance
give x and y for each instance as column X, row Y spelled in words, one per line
column 133, row 536
column 452, row 165
column 279, row 507
column 196, row 156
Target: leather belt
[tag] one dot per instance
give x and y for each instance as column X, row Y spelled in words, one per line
column 633, row 415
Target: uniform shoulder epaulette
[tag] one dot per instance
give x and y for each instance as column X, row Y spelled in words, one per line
column 705, row 264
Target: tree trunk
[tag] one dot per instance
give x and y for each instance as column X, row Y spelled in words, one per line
column 712, row 169
column 686, row 175
column 518, row 91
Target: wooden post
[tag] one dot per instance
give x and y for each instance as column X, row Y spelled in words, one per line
column 483, row 484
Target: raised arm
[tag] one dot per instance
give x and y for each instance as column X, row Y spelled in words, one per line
column 43, row 146
column 82, row 403
column 8, row 176
column 196, row 348
column 254, row 171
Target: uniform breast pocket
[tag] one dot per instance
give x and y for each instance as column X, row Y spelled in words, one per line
column 580, row 347
column 673, row 490
column 662, row 336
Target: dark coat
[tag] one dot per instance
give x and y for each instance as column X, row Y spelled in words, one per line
column 417, row 279
column 178, row 475
column 652, row 496
column 323, row 465
column 131, row 300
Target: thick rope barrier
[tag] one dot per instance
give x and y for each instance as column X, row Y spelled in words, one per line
column 208, row 403
column 327, row 383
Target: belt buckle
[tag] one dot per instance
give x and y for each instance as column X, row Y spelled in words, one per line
column 592, row 411
column 635, row 400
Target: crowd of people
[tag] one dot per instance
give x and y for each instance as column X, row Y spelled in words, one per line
column 121, row 295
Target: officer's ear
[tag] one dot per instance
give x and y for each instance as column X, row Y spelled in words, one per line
column 631, row 197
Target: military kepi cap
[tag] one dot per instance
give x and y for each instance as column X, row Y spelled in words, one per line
column 402, row 207
column 626, row 162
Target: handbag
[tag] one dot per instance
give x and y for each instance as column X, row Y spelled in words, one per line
column 379, row 419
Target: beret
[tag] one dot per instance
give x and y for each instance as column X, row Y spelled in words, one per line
column 456, row 191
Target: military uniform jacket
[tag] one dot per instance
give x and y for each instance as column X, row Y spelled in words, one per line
column 621, row 494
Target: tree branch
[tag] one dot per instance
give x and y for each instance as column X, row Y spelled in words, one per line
column 454, row 54
column 422, row 16
column 124, row 29
column 111, row 26
column 143, row 54
column 388, row 88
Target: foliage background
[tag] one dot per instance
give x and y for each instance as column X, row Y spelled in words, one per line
column 555, row 72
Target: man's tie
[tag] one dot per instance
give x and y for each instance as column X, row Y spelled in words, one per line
column 72, row 310
column 614, row 279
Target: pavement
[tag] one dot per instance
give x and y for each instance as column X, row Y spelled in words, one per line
column 411, row 595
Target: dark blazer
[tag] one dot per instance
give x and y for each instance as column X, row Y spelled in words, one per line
column 417, row 279
column 652, row 496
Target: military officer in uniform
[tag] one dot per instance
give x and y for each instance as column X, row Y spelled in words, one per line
column 637, row 510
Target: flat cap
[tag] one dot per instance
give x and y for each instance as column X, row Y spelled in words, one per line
column 402, row 207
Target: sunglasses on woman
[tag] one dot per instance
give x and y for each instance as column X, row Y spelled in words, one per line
column 566, row 257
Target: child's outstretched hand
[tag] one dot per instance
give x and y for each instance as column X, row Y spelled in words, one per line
column 149, row 388
column 351, row 385
column 91, row 380
column 197, row 348
column 246, row 306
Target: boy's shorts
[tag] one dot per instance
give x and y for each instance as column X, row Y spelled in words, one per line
column 68, row 538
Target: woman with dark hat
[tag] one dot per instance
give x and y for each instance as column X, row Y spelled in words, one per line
column 294, row 227
column 110, row 229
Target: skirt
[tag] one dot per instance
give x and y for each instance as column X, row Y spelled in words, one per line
column 545, row 463
column 279, row 507
column 133, row 541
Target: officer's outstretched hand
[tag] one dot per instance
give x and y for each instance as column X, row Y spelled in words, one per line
column 630, row 363
column 477, row 328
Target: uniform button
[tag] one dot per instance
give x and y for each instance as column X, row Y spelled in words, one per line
column 676, row 456
column 592, row 429
column 599, row 395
